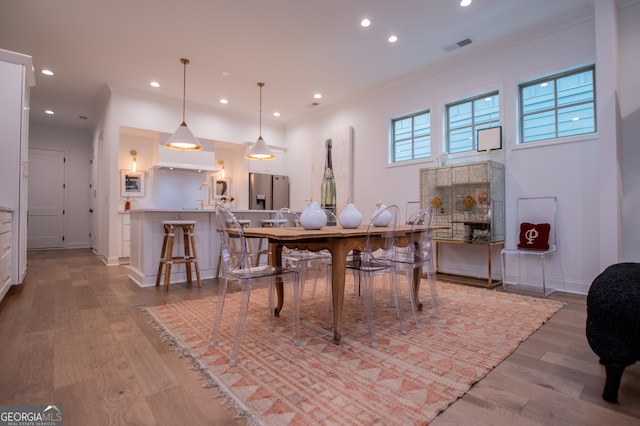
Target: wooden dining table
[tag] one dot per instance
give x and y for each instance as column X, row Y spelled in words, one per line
column 339, row 242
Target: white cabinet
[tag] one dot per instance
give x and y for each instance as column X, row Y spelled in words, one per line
column 124, row 223
column 16, row 76
column 277, row 166
column 5, row 252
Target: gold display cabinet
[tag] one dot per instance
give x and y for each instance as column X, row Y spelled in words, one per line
column 468, row 200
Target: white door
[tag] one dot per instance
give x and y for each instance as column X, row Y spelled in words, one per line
column 45, row 214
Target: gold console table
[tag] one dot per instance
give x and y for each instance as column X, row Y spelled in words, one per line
column 464, row 279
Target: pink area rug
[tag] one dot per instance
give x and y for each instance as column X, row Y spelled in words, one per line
column 408, row 380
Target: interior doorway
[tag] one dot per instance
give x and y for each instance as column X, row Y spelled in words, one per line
column 45, row 206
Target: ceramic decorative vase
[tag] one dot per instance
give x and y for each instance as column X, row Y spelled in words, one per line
column 383, row 219
column 313, row 217
column 350, row 217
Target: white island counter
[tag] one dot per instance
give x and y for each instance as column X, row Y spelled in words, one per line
column 147, row 233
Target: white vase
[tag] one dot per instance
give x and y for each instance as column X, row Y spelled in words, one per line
column 350, row 217
column 382, row 219
column 313, row 217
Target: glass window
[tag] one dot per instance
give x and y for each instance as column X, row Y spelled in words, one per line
column 558, row 106
column 465, row 118
column 411, row 137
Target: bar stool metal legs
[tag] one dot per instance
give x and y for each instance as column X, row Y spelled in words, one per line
column 190, row 254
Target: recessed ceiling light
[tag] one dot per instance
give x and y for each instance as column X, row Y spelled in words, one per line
column 465, row 3
column 154, row 84
column 317, row 96
column 276, row 114
column 48, row 111
column 46, row 71
column 365, row 23
column 392, row 38
column 224, row 101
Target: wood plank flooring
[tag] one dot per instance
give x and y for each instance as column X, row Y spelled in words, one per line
column 72, row 335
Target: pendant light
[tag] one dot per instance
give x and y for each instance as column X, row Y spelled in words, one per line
column 182, row 138
column 134, row 163
column 260, row 150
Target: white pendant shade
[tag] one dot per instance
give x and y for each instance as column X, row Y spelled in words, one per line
column 260, row 151
column 183, row 139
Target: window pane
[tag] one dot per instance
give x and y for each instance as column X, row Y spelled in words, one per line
column 575, row 88
column 402, row 129
column 422, row 125
column 576, row 120
column 422, row 147
column 460, row 140
column 539, row 126
column 486, row 110
column 403, row 151
column 460, row 115
column 537, row 97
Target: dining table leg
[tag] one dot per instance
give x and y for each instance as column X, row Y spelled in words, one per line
column 417, row 275
column 338, row 272
column 274, row 260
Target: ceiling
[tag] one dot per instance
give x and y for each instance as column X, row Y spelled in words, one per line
column 297, row 48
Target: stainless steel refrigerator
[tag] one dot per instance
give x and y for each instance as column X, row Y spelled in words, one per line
column 268, row 192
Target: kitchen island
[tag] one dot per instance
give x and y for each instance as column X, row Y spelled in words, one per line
column 147, row 233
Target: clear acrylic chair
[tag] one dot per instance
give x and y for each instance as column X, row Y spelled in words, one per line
column 303, row 260
column 536, row 231
column 237, row 268
column 378, row 258
column 419, row 253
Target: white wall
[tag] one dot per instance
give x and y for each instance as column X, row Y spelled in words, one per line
column 567, row 169
column 77, row 147
column 629, row 97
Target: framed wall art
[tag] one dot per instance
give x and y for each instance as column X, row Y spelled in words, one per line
column 132, row 184
column 221, row 187
column 490, row 139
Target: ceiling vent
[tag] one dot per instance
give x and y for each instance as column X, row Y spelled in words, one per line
column 458, row 45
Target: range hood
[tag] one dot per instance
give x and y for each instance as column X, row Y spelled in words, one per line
column 203, row 160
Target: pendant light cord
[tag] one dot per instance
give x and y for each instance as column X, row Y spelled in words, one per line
column 260, row 85
column 184, row 87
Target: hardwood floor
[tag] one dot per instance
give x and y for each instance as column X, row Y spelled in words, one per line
column 72, row 335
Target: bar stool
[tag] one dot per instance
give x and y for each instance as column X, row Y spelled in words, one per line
column 168, row 259
column 244, row 223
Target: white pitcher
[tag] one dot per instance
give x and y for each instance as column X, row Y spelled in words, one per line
column 384, row 219
column 313, row 217
column 350, row 217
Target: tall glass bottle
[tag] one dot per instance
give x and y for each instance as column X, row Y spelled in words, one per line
column 328, row 190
